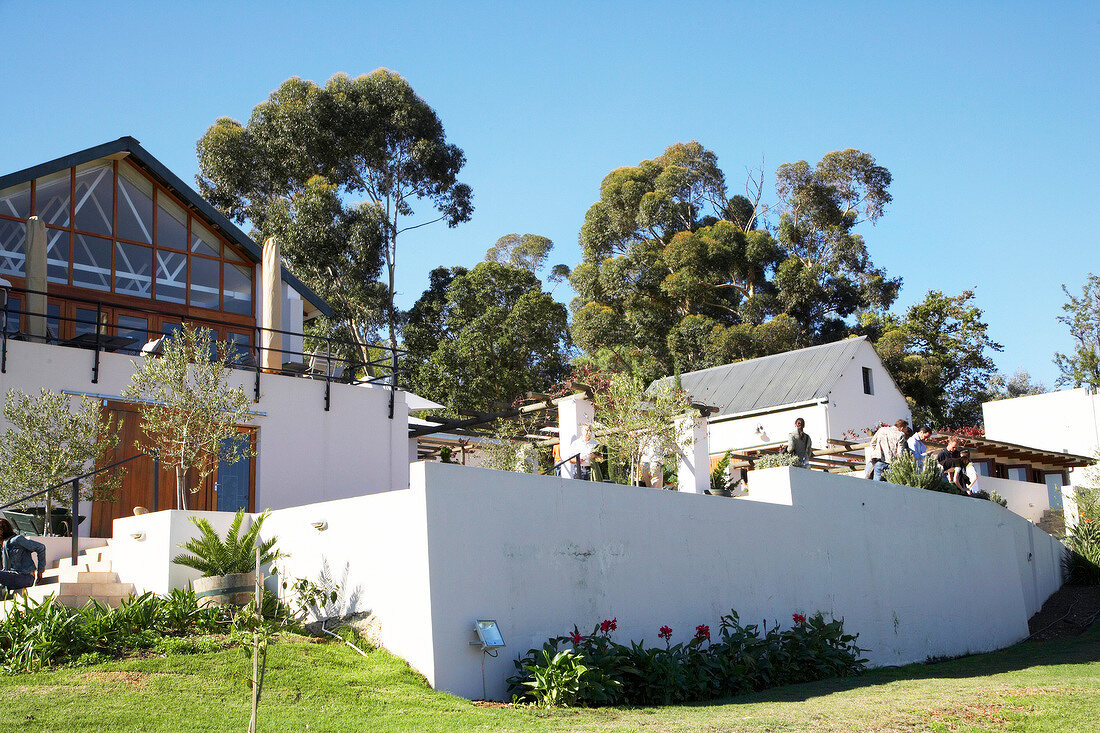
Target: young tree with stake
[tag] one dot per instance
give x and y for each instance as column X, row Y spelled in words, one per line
column 188, row 410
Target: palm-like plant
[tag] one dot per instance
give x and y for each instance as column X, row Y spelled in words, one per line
column 213, row 556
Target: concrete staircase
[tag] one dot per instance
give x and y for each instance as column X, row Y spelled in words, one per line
column 74, row 585
column 1053, row 522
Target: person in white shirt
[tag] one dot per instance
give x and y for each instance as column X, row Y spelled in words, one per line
column 916, row 444
column 585, row 448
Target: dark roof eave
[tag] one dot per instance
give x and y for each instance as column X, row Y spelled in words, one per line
column 174, row 183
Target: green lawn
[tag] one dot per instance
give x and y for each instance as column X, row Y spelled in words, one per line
column 1049, row 686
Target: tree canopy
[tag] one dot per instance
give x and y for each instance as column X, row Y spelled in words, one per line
column 678, row 274
column 483, row 336
column 306, row 151
column 48, row 442
column 939, row 355
column 1081, row 367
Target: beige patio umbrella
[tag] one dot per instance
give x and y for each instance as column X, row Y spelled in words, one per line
column 272, row 317
column 36, row 278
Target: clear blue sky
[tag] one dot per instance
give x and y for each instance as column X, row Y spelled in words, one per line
column 985, row 113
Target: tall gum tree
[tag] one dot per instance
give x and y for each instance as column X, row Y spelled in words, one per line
column 308, row 150
column 677, row 274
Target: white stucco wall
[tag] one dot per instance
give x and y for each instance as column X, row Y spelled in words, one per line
column 1066, row 421
column 740, row 433
column 305, row 454
column 909, row 570
column 851, row 409
column 146, row 561
column 1025, row 498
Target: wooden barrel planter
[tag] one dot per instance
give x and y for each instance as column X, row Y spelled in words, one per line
column 225, row 590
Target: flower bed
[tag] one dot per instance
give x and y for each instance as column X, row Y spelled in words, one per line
column 594, row 670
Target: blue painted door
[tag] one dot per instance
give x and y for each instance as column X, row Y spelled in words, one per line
column 234, row 482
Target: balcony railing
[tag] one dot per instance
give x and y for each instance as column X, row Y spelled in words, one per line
column 303, row 355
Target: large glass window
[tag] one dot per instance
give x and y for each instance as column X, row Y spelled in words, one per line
column 16, row 201
column 52, row 198
column 95, row 198
column 13, row 240
column 133, row 270
column 135, row 205
column 92, row 262
column 171, row 224
column 205, row 282
column 171, row 276
column 238, row 289
column 110, row 227
column 57, row 256
column 1017, row 473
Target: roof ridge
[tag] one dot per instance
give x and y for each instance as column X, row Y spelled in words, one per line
column 831, row 344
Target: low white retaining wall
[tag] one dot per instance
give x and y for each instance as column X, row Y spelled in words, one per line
column 915, row 573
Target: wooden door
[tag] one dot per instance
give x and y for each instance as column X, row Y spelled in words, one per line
column 137, row 482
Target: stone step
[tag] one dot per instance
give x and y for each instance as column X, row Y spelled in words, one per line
column 79, row 575
column 64, row 591
column 83, row 566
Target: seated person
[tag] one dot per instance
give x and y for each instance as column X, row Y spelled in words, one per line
column 19, row 569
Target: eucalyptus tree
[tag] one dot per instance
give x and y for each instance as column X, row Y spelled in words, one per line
column 1081, row 367
column 486, row 335
column 307, row 150
column 679, row 274
column 827, row 274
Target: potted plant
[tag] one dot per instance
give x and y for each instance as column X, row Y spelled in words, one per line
column 228, row 566
column 720, row 482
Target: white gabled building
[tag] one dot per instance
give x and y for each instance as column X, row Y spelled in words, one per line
column 838, row 389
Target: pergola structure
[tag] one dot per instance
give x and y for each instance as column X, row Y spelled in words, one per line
column 997, row 456
column 532, row 419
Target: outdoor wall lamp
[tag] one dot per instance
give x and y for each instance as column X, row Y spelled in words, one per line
column 319, row 526
column 137, row 536
column 488, row 635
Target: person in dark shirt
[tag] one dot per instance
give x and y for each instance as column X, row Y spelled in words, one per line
column 19, row 570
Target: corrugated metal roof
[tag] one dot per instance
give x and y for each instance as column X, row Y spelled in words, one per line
column 789, row 378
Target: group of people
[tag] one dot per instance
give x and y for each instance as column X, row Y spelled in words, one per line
column 888, row 444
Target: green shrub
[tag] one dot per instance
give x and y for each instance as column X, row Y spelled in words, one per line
column 776, row 460
column 903, row 471
column 1081, row 561
column 213, row 556
column 37, row 635
column 597, row 671
column 719, row 476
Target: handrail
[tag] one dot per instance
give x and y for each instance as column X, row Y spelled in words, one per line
column 559, row 464
column 387, row 358
column 75, row 481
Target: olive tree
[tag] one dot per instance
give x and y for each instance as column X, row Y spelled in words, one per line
column 189, row 413
column 48, row 443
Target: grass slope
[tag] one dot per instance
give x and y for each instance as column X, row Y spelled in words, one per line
column 1048, row 686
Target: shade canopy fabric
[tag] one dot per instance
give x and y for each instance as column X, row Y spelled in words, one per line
column 36, row 277
column 271, row 341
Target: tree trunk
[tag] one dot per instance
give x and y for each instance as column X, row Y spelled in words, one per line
column 181, row 487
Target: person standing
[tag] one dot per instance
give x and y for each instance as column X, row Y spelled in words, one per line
column 889, row 444
column 916, row 444
column 586, row 450
column 799, row 443
column 18, row 567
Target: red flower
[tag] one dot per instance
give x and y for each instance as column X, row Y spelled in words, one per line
column 607, row 626
column 798, row 618
column 665, row 633
column 575, row 637
column 702, row 631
